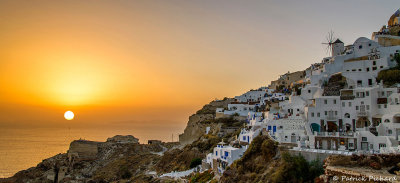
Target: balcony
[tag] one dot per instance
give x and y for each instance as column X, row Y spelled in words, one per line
column 382, row 101
column 347, row 97
column 331, row 118
column 362, row 113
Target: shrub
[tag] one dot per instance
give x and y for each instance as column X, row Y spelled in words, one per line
column 389, row 77
column 202, row 177
column 124, row 172
column 195, row 162
column 297, row 169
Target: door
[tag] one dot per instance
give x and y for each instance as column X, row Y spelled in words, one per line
column 364, row 146
column 293, row 139
column 324, row 144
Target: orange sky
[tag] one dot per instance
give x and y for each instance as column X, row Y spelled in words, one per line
column 124, row 60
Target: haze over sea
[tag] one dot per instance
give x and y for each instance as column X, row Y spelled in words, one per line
column 25, row 147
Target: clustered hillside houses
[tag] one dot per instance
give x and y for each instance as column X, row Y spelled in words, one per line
column 337, row 106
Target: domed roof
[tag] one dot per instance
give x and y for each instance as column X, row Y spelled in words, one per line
column 391, row 19
column 361, row 40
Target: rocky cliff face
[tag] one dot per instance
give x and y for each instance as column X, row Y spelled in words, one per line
column 88, row 161
column 196, row 127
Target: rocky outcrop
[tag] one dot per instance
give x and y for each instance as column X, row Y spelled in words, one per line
column 123, row 139
column 362, row 168
column 195, row 127
column 82, row 150
column 88, row 161
column 333, row 86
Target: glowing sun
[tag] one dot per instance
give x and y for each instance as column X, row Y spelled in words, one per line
column 69, row 115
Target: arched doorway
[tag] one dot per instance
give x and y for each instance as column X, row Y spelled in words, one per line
column 363, row 122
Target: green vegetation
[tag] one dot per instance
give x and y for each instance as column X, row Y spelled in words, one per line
column 226, row 122
column 296, row 169
column 124, row 172
column 390, row 76
column 206, row 143
column 261, row 163
column 202, row 177
column 195, row 162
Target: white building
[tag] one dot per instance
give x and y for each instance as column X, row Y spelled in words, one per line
column 224, row 155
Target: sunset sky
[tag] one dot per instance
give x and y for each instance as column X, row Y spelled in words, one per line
column 153, row 61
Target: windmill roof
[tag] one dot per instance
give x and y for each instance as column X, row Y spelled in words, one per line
column 338, row 41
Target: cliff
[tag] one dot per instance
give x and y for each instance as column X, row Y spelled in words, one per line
column 119, row 158
column 196, row 127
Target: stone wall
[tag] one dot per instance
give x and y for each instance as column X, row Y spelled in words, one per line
column 310, row 156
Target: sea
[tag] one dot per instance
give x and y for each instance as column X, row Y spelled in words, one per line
column 22, row 148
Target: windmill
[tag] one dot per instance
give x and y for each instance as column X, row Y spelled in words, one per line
column 330, row 40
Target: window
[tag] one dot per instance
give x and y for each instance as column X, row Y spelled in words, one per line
column 357, row 108
column 325, row 101
column 349, row 104
column 347, row 115
column 335, row 113
column 216, row 153
column 385, row 106
column 374, row 63
column 312, row 114
column 373, row 68
column 390, row 132
column 360, row 47
column 359, row 69
column 309, row 91
column 326, row 113
column 396, row 100
column 334, row 101
column 369, row 44
column 381, row 67
column 367, row 69
column 367, row 107
column 382, row 146
column 226, row 153
column 387, row 121
column 367, row 93
column 343, row 104
column 351, row 144
column 379, row 106
column 364, row 139
column 318, row 114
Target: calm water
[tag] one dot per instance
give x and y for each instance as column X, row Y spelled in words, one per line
column 24, row 148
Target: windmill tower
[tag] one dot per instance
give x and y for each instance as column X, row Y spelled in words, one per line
column 334, row 47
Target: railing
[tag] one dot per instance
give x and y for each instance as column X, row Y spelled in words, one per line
column 331, row 118
column 335, row 134
column 362, row 113
column 346, row 134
